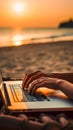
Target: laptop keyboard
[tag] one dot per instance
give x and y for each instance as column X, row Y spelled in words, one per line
column 20, row 95
column 17, row 93
column 35, row 97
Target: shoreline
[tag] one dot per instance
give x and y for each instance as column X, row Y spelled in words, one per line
column 38, row 43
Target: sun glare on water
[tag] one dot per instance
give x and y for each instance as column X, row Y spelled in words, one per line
column 17, row 40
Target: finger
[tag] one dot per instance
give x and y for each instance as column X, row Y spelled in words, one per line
column 24, row 79
column 47, row 82
column 33, row 88
column 32, row 77
column 35, row 76
column 32, row 85
column 47, row 119
column 27, row 76
column 39, row 85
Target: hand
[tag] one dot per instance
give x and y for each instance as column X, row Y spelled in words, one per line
column 42, row 82
column 29, row 77
column 38, row 79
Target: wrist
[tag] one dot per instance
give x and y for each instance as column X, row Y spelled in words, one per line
column 59, row 82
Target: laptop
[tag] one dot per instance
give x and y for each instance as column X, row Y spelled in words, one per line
column 18, row 100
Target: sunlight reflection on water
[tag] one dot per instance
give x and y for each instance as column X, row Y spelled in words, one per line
column 27, row 36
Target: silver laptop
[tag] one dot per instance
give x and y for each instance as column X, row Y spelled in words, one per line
column 16, row 99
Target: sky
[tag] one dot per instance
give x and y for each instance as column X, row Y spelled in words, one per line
column 34, row 13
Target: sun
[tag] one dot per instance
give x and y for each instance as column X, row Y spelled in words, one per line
column 18, row 7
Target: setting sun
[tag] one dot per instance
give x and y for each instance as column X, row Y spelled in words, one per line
column 18, row 7
column 34, row 13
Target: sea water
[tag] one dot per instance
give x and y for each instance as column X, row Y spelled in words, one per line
column 12, row 37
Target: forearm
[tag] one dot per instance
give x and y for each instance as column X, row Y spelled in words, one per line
column 65, row 87
column 65, row 76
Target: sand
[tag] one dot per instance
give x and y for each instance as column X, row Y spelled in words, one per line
column 48, row 57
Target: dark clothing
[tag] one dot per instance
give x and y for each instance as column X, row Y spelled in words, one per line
column 14, row 123
column 10, row 123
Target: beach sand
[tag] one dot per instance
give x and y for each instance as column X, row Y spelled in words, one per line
column 48, row 57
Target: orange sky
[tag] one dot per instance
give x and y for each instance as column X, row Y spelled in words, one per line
column 35, row 13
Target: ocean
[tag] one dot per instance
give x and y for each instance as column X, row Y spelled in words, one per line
column 12, row 37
